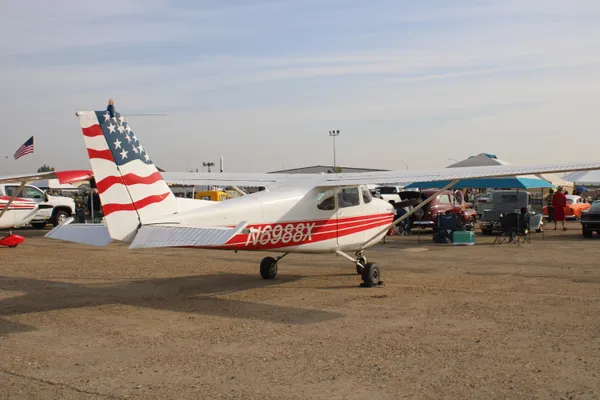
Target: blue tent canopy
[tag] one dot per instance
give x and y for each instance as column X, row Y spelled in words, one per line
column 486, row 183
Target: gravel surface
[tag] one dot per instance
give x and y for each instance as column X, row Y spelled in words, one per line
column 484, row 322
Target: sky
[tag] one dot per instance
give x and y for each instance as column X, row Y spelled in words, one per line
column 262, row 82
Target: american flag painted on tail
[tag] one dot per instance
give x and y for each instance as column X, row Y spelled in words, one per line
column 130, row 187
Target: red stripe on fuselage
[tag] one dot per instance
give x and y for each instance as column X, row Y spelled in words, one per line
column 7, row 198
column 287, row 234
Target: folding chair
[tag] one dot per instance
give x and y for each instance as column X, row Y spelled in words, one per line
column 444, row 226
column 514, row 228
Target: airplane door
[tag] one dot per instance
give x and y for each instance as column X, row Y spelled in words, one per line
column 349, row 231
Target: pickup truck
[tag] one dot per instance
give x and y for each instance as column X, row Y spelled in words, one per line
column 388, row 193
column 446, row 201
column 52, row 209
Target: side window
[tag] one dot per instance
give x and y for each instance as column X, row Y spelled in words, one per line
column 366, row 196
column 326, row 200
column 32, row 193
column 348, row 197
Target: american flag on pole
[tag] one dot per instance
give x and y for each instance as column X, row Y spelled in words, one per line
column 26, row 148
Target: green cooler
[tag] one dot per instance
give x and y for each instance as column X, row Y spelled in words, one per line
column 463, row 238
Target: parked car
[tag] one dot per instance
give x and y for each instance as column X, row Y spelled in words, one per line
column 575, row 206
column 446, row 201
column 507, row 201
column 52, row 209
column 590, row 220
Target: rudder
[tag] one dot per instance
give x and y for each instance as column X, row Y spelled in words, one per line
column 131, row 189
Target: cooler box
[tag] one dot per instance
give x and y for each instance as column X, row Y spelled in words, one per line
column 463, row 238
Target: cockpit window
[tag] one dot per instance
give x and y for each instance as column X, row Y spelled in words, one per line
column 348, row 197
column 326, row 200
column 366, row 196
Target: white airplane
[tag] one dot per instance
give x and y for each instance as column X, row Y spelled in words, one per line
column 329, row 213
column 16, row 212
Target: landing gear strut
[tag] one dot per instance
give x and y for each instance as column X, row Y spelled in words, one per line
column 369, row 272
column 361, row 261
column 268, row 266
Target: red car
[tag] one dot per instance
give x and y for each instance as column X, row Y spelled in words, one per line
column 446, row 201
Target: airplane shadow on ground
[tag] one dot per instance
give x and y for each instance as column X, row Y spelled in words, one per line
column 189, row 294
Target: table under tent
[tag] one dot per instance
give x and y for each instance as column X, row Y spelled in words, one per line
column 531, row 184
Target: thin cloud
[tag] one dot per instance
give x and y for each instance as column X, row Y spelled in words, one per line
column 245, row 78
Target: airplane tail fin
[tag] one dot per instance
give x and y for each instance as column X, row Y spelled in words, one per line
column 130, row 188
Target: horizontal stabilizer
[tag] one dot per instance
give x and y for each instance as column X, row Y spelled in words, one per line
column 177, row 236
column 91, row 234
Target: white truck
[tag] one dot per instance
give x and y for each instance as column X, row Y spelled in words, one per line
column 52, row 209
column 388, row 193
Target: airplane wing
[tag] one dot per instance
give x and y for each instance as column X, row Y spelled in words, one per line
column 401, row 177
column 228, row 178
column 62, row 176
column 448, row 174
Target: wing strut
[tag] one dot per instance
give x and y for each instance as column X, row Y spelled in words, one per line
column 411, row 212
column 12, row 198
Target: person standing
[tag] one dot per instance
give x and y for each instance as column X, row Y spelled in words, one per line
column 559, row 202
column 549, row 207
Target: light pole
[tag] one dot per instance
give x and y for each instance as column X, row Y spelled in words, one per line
column 333, row 134
column 208, row 164
column 405, row 164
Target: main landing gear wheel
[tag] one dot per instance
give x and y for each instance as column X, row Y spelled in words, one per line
column 371, row 275
column 268, row 268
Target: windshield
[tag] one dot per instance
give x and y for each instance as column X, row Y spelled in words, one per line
column 387, row 190
column 595, row 207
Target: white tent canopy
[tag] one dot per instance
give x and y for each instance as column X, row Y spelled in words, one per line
column 585, row 178
column 485, row 159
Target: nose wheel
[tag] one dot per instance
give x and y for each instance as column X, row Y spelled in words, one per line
column 369, row 272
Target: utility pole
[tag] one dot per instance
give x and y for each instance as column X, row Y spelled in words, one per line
column 208, row 164
column 333, row 134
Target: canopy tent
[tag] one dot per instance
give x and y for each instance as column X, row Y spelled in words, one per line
column 517, row 182
column 584, row 178
column 485, row 159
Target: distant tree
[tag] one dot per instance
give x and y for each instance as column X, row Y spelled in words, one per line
column 45, row 168
column 337, row 170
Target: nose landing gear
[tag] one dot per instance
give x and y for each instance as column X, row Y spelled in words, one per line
column 369, row 272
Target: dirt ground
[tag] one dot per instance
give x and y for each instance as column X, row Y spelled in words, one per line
column 484, row 322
